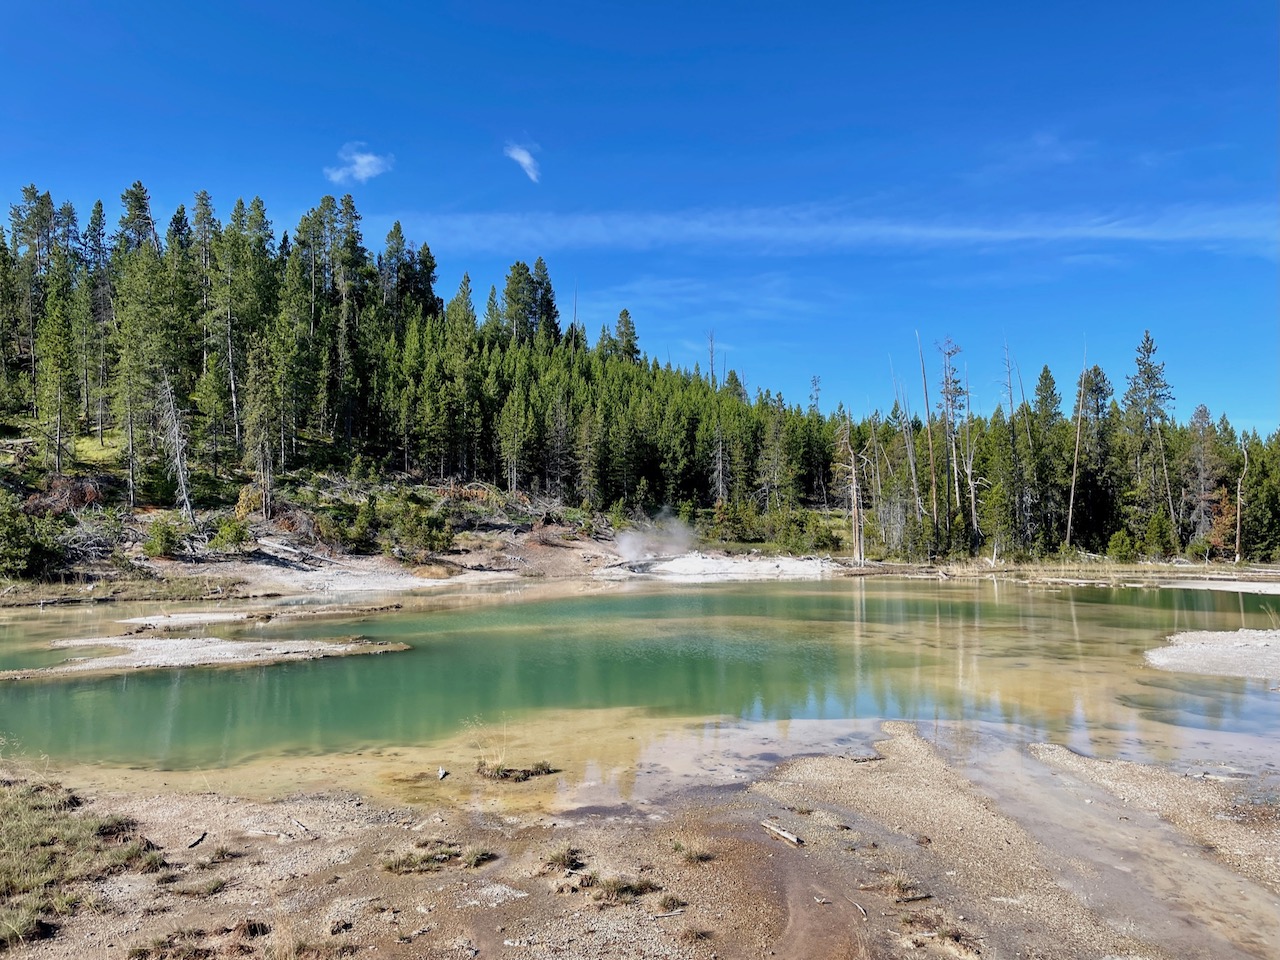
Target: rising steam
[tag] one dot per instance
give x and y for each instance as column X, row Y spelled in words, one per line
column 668, row 536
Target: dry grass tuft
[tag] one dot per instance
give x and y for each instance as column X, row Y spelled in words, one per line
column 695, row 935
column 624, row 889
column 566, row 858
column 47, row 847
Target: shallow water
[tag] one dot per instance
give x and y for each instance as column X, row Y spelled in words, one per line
column 1062, row 665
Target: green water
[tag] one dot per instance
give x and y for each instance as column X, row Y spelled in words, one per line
column 1061, row 665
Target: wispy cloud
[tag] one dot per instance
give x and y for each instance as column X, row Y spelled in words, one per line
column 523, row 156
column 1040, row 152
column 1152, row 159
column 1249, row 229
column 358, row 164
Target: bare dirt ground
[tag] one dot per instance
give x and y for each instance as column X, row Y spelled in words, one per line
column 901, row 856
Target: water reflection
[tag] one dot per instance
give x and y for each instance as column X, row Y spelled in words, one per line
column 1063, row 665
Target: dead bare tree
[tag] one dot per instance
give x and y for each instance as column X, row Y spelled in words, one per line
column 1244, row 448
column 848, row 472
column 1075, row 460
column 173, row 437
column 908, row 442
column 969, row 449
column 928, row 425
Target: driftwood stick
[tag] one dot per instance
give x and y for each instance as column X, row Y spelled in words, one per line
column 304, row 827
column 918, row 896
column 784, row 834
column 858, row 905
column 864, row 759
column 673, row 913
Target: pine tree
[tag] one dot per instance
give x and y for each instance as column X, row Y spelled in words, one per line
column 519, row 304
column 262, row 417
column 625, row 334
column 95, row 341
column 546, row 315
column 56, row 396
column 139, row 299
column 1146, row 407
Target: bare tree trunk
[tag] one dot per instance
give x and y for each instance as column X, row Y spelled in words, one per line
column 928, row 426
column 231, row 368
column 970, row 451
column 1168, row 490
column 855, row 504
column 175, row 441
column 1075, row 460
column 265, row 479
column 909, row 442
column 1244, row 448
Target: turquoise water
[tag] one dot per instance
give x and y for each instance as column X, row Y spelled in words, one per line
column 1063, row 665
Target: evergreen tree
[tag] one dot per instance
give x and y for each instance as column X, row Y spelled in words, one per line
column 56, row 398
column 519, row 304
column 1146, row 408
column 545, row 313
column 139, row 299
column 625, row 335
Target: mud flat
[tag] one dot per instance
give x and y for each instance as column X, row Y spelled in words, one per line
column 1252, row 654
column 162, row 652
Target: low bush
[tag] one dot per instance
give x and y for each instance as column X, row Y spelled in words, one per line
column 162, row 540
column 230, row 536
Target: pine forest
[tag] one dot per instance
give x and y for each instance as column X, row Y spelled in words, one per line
column 211, row 366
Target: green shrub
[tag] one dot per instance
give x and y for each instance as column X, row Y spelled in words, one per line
column 1198, row 549
column 365, row 526
column 29, row 546
column 1121, row 548
column 16, row 540
column 413, row 530
column 230, row 535
column 1159, row 540
column 162, row 539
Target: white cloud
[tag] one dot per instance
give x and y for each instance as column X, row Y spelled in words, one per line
column 358, row 164
column 522, row 156
column 1250, row 229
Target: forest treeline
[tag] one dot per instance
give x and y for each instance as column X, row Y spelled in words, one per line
column 200, row 348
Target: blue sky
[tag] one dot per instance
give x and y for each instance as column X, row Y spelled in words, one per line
column 815, row 183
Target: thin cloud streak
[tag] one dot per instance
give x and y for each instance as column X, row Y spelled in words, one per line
column 358, row 164
column 1246, row 228
column 522, row 156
